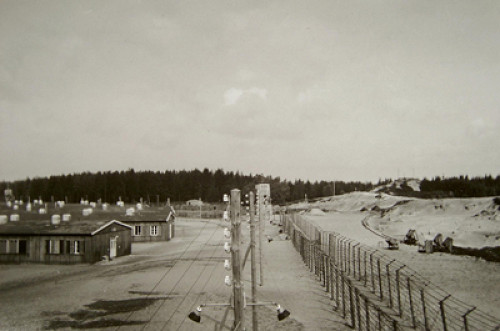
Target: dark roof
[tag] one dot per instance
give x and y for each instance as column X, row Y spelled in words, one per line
column 141, row 218
column 87, row 227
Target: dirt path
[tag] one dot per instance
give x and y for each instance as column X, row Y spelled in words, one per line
column 158, row 285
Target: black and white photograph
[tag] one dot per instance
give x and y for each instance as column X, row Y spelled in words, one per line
column 250, row 165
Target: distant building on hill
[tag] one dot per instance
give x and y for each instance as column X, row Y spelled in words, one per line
column 194, row 202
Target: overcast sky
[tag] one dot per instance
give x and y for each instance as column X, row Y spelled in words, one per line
column 319, row 90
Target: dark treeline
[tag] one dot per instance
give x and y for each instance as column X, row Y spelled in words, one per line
column 182, row 185
column 462, row 186
column 210, row 185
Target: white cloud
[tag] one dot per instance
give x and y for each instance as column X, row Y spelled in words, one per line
column 313, row 94
column 261, row 92
column 233, row 95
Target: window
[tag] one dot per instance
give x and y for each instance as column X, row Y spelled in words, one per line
column 67, row 249
column 137, row 230
column 79, row 247
column 153, row 230
column 54, row 246
column 22, row 247
column 13, row 246
column 3, row 246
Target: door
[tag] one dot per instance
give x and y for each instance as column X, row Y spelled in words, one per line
column 112, row 248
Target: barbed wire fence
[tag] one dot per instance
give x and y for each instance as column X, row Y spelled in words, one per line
column 373, row 291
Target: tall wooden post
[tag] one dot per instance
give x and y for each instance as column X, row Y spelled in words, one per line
column 253, row 261
column 236, row 258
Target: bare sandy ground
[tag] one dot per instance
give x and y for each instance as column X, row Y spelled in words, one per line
column 158, row 285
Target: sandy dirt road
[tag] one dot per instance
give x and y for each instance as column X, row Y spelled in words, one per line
column 159, row 284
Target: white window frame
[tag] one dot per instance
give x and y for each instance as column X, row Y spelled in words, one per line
column 54, row 247
column 77, row 247
column 154, row 230
column 138, row 233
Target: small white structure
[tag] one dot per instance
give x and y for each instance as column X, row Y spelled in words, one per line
column 9, row 204
column 28, row 206
column 120, row 203
column 105, row 206
column 194, row 202
column 3, row 219
column 42, row 211
column 55, row 219
column 82, row 202
column 35, row 202
column 14, row 217
column 138, row 206
column 93, row 204
column 16, row 207
column 60, row 204
column 66, row 217
column 87, row 211
column 130, row 211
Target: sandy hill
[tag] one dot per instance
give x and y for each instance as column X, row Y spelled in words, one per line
column 471, row 222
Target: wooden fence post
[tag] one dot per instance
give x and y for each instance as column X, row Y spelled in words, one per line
column 337, row 283
column 358, row 307
column 354, row 258
column 351, row 302
column 367, row 314
column 424, row 312
column 372, row 276
column 364, row 261
column 387, row 268
column 412, row 309
column 443, row 315
column 359, row 262
column 466, row 324
column 398, row 291
column 342, row 277
column 380, row 280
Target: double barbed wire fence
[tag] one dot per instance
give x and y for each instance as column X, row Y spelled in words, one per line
column 373, row 291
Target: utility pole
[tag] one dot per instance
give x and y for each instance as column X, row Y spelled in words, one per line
column 253, row 262
column 263, row 196
column 238, row 296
